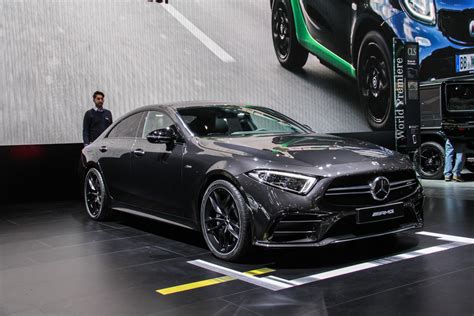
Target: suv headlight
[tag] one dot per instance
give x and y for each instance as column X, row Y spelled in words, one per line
column 422, row 10
column 296, row 183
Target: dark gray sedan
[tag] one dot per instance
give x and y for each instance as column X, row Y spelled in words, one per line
column 248, row 176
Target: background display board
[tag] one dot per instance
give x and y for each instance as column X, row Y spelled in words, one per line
column 55, row 54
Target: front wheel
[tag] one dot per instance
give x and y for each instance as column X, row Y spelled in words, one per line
column 429, row 160
column 289, row 51
column 95, row 196
column 374, row 77
column 225, row 221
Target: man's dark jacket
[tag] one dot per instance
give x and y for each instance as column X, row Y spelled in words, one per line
column 95, row 122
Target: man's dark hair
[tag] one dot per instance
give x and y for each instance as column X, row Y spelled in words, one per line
column 98, row 93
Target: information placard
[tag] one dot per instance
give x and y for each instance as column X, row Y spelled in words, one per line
column 406, row 95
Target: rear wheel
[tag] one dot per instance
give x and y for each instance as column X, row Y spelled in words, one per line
column 429, row 160
column 95, row 196
column 374, row 77
column 225, row 221
column 289, row 52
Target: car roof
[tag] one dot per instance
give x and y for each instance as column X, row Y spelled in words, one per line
column 186, row 104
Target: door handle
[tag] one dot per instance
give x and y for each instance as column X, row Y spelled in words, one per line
column 139, row 152
column 103, row 149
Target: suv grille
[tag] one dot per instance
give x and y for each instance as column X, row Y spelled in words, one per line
column 455, row 25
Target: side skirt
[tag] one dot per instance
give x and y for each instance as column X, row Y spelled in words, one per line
column 133, row 211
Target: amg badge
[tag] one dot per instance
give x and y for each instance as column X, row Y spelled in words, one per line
column 383, row 213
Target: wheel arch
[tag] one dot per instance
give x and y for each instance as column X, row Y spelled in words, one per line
column 85, row 166
column 211, row 177
column 433, row 136
column 365, row 24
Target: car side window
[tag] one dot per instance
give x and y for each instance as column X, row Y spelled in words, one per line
column 126, row 128
column 155, row 120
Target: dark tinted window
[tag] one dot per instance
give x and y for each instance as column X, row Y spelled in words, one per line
column 430, row 106
column 460, row 97
column 126, row 127
column 237, row 121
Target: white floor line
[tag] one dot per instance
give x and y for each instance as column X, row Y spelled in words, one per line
column 376, row 263
column 273, row 285
column 200, row 35
column 276, row 283
column 448, row 237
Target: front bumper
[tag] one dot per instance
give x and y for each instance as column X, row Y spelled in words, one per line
column 334, row 240
column 282, row 219
column 437, row 51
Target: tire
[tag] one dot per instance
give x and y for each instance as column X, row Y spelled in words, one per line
column 430, row 165
column 470, row 166
column 289, row 52
column 374, row 78
column 96, row 198
column 225, row 221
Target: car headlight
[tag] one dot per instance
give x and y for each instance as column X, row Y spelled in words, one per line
column 422, row 10
column 296, row 183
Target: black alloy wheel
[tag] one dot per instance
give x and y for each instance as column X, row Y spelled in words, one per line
column 429, row 160
column 95, row 196
column 374, row 77
column 225, row 221
column 289, row 52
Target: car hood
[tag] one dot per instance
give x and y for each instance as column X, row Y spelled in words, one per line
column 310, row 150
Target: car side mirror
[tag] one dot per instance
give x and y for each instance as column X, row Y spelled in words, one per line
column 162, row 136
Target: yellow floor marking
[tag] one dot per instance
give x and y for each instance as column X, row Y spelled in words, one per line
column 208, row 282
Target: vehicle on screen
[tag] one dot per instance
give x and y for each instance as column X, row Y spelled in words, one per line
column 355, row 38
column 248, row 176
column 446, row 112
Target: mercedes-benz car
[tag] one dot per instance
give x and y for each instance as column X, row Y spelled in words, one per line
column 248, row 176
column 355, row 38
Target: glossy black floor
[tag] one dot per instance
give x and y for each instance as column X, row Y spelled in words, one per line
column 55, row 261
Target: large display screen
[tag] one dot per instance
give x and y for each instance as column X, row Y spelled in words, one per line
column 322, row 63
column 57, row 53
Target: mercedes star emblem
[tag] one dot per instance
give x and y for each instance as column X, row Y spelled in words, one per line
column 380, row 188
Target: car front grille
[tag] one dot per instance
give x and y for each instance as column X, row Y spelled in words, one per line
column 351, row 192
column 456, row 25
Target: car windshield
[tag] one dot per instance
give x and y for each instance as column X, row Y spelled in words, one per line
column 230, row 121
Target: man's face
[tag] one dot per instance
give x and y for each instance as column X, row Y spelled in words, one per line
column 99, row 101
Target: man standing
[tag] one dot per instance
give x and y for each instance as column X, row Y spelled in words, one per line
column 96, row 120
column 453, row 150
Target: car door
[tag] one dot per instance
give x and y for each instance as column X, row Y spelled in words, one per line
column 156, row 169
column 331, row 23
column 115, row 156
